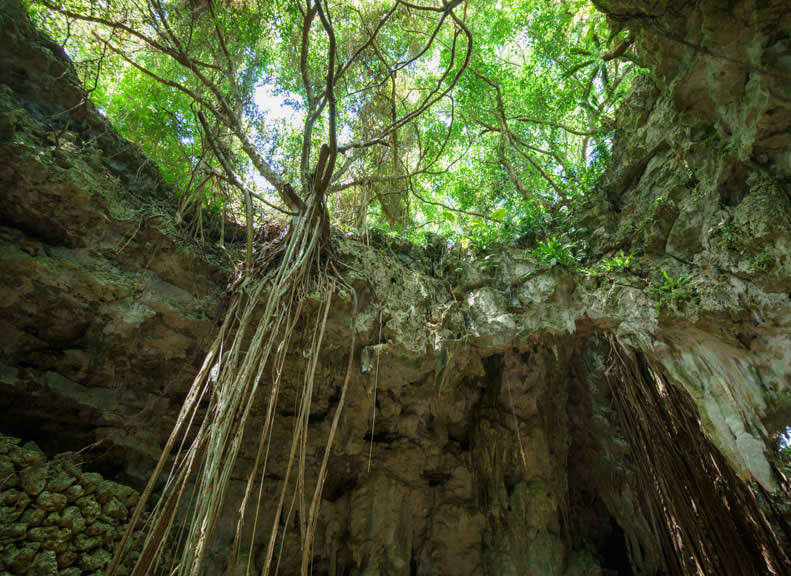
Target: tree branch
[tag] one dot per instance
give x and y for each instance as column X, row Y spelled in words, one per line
column 568, row 129
column 323, row 177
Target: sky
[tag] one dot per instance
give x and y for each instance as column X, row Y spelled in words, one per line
column 275, row 107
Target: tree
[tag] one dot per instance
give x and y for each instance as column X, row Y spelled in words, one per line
column 447, row 167
column 211, row 58
column 390, row 119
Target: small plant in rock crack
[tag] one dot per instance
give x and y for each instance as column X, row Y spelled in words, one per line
column 619, row 262
column 673, row 290
column 730, row 236
column 672, row 283
column 553, row 251
column 763, row 262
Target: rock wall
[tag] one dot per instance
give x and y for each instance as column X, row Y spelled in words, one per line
column 100, row 298
column 495, row 447
column 700, row 187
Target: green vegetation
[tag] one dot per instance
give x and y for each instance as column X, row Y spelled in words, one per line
column 619, row 263
column 553, row 251
column 733, row 237
column 673, row 291
column 730, row 236
column 622, row 262
column 672, row 283
column 763, row 262
column 482, row 122
column 784, row 452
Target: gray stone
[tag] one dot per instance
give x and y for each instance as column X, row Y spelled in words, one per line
column 7, row 471
column 59, row 480
column 33, row 479
column 98, row 528
column 45, row 564
column 9, row 514
column 33, row 516
column 62, row 540
column 51, row 519
column 69, row 467
column 95, row 560
column 73, row 519
column 52, row 501
column 11, row 497
column 105, row 491
column 66, row 559
column 83, row 543
column 7, row 442
column 42, row 533
column 89, row 507
column 32, row 455
column 12, row 532
column 18, row 560
column 115, row 509
column 129, row 496
column 90, row 480
column 74, row 492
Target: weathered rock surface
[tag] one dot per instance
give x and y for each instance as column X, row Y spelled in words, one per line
column 495, row 448
column 701, row 182
column 104, row 311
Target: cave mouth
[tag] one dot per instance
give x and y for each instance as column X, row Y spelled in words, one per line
column 614, row 553
column 59, row 427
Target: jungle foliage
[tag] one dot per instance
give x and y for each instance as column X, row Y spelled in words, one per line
column 480, row 122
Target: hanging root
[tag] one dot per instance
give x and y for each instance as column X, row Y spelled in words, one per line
column 205, row 442
column 706, row 518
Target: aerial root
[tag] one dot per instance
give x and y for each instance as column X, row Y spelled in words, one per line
column 204, row 445
column 706, row 519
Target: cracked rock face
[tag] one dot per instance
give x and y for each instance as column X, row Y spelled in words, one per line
column 105, row 312
column 478, row 436
column 701, row 181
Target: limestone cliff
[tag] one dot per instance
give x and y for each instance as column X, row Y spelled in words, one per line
column 528, row 419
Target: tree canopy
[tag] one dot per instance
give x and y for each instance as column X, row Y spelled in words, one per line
column 477, row 121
